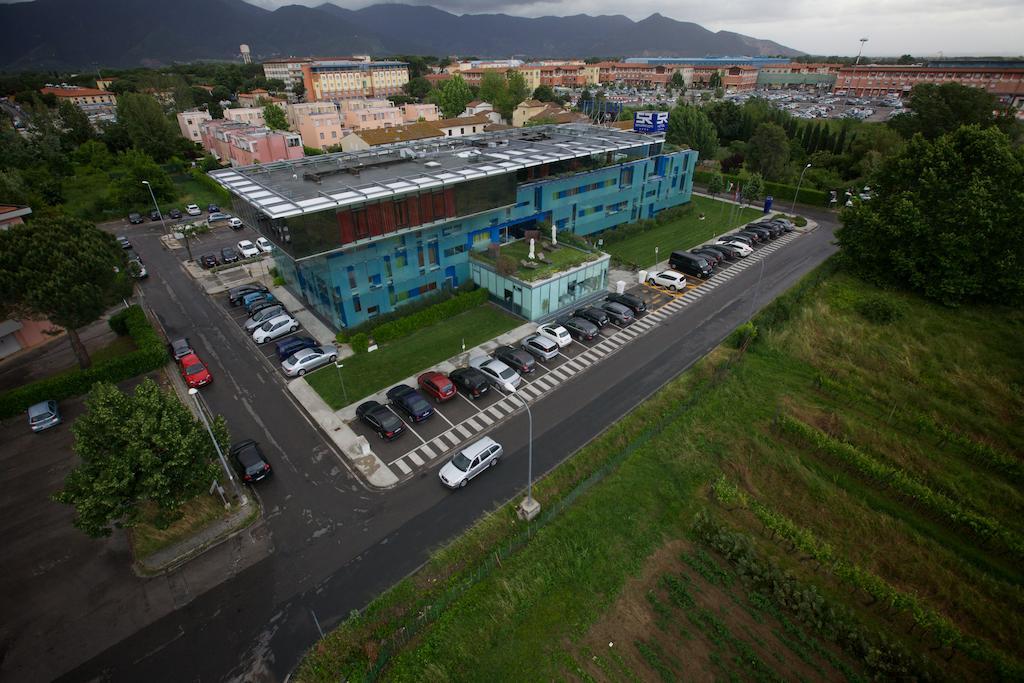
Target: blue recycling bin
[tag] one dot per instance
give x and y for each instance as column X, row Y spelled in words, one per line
column 768, row 203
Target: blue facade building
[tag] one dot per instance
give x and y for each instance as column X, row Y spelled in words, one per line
column 360, row 234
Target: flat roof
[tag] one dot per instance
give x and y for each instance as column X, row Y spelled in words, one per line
column 282, row 189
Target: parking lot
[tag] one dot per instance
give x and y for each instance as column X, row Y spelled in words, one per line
column 269, row 349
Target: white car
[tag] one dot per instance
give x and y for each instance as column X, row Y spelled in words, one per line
column 668, row 278
column 264, row 245
column 469, row 462
column 235, row 223
column 247, row 249
column 304, row 360
column 743, row 247
column 193, row 210
column 274, row 328
column 497, row 373
column 555, row 333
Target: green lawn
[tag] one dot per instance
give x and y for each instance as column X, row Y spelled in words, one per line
column 368, row 373
column 561, row 259
column 682, row 233
column 531, row 614
column 88, row 196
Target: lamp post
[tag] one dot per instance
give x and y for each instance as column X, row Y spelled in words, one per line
column 528, row 508
column 792, row 209
column 338, row 366
column 857, row 63
column 155, row 205
column 242, row 500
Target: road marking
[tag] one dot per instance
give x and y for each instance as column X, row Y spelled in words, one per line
column 468, row 401
column 462, row 430
column 428, row 451
column 485, row 418
column 495, row 411
column 402, row 466
column 441, row 415
column 472, row 423
column 415, row 458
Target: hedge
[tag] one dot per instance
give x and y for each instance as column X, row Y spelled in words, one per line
column 403, row 327
column 150, row 354
column 405, row 310
column 780, row 192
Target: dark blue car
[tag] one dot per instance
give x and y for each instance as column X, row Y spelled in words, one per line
column 289, row 346
column 411, row 402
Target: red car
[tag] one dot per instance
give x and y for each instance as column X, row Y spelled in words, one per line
column 193, row 371
column 437, row 385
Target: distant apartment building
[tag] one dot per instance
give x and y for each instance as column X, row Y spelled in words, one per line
column 873, row 80
column 456, row 128
column 570, row 74
column 251, row 115
column 709, row 61
column 367, row 113
column 739, row 78
column 258, row 98
column 797, row 75
column 420, row 112
column 319, row 123
column 484, row 108
column 243, row 145
column 376, row 137
column 98, row 105
column 634, row 74
column 341, row 79
column 288, row 71
column 486, row 64
column 476, row 76
column 190, row 122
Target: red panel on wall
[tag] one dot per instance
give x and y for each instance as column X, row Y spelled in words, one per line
column 449, row 203
column 348, row 233
column 426, row 208
column 413, row 204
column 387, row 210
column 373, row 215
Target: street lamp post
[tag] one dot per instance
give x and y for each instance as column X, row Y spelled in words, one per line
column 792, row 209
column 155, row 205
column 857, row 63
column 338, row 367
column 528, row 508
column 242, row 500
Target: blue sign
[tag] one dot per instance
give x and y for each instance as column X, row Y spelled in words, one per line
column 650, row 121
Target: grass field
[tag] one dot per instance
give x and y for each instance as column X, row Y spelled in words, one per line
column 682, row 233
column 88, row 196
column 368, row 373
column 197, row 514
column 743, row 530
column 561, row 259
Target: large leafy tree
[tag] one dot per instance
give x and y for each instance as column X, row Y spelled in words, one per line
column 75, row 123
column 945, row 219
column 493, row 87
column 417, row 87
column 147, row 127
column 939, row 109
column 61, row 269
column 135, row 166
column 753, row 187
column 768, row 151
column 690, row 126
column 516, row 90
column 138, row 449
column 274, row 117
column 728, row 119
column 453, row 96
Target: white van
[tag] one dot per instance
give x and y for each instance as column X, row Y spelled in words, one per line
column 469, row 462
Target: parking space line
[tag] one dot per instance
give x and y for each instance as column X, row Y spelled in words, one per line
column 485, row 418
column 547, row 383
column 461, row 429
column 449, row 437
column 469, row 402
column 531, row 391
column 415, row 458
column 441, row 415
column 402, row 466
column 496, row 411
column 428, row 451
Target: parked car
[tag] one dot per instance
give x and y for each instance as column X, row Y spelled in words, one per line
column 154, row 215
column 174, row 213
column 247, row 249
column 497, row 373
column 774, row 229
column 765, row 233
column 264, row 245
column 582, row 330
column 235, row 294
column 257, row 300
column 208, row 261
column 180, row 348
column 194, row 371
column 228, row 255
column 135, row 218
column 593, row 314
column 43, row 415
column 286, row 347
column 137, row 268
column 730, row 249
column 517, row 359
column 668, row 278
column 469, row 462
column 411, row 402
column 380, row 419
column 235, row 223
column 193, row 210
column 720, row 254
column 274, row 328
column 690, row 264
column 619, row 314
column 217, row 216
column 555, row 333
column 541, row 347
column 787, row 224
column 123, row 241
column 258, row 317
column 748, row 240
column 304, row 360
column 212, row 208
column 249, row 460
column 437, row 386
column 630, row 301
column 713, row 257
column 753, row 237
column 470, row 381
column 744, row 248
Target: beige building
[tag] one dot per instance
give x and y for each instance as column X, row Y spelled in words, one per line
column 484, row 108
column 366, row 114
column 288, row 70
column 258, row 98
column 319, row 123
column 420, row 112
column 525, row 111
column 342, row 78
column 468, row 125
column 189, row 123
column 251, row 115
column 365, row 139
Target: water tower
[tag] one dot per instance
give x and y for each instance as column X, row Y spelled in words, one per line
column 246, row 56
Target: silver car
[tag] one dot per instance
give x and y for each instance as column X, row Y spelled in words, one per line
column 541, row 347
column 304, row 360
column 274, row 328
column 497, row 373
column 263, row 315
column 43, row 415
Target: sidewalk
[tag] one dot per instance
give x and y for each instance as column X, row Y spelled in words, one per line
column 355, row 447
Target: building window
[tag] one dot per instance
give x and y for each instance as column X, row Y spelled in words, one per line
column 356, row 304
column 352, row 277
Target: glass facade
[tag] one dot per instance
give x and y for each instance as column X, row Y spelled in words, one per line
column 543, row 298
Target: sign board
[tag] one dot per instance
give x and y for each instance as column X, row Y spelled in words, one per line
column 650, row 121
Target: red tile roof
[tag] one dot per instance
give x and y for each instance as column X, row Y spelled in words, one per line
column 74, row 92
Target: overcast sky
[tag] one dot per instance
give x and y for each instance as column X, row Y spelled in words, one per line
column 893, row 27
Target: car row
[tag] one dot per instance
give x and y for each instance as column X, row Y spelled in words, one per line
column 242, row 250
column 191, row 209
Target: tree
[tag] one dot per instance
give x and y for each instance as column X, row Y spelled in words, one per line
column 493, row 88
column 768, row 151
column 274, row 117
column 939, row 109
column 95, row 154
column 944, row 220
column 76, row 125
column 715, row 81
column 453, row 96
column 417, row 87
column 63, row 270
column 691, row 126
column 299, row 90
column 727, row 117
column 544, row 93
column 517, row 91
column 146, row 448
column 585, row 95
column 716, row 184
column 753, row 187
column 134, row 166
column 719, row 93
column 147, row 127
column 678, row 82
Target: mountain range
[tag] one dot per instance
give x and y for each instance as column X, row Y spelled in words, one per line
column 80, row 34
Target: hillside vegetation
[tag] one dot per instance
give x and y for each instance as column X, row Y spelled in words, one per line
column 839, row 501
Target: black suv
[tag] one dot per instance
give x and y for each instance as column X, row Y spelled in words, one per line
column 630, row 301
column 517, row 359
column 154, row 215
column 580, row 328
column 249, row 460
column 411, row 402
column 594, row 315
column 381, row 420
column 471, row 382
column 235, row 294
column 228, row 255
column 135, row 218
column 174, row 213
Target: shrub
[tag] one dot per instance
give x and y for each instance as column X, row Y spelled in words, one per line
column 506, row 265
column 341, row 337
column 779, row 191
column 150, row 354
column 879, row 309
column 279, row 281
column 360, row 342
column 742, row 335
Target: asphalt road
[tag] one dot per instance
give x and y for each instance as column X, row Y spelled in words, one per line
column 336, row 544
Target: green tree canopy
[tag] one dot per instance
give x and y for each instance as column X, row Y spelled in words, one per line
column 516, row 91
column 716, row 184
column 75, row 124
column 417, row 87
column 691, row 126
column 147, row 127
column 274, row 117
column 453, row 96
column 945, row 219
column 939, row 109
column 299, row 89
column 544, row 93
column 752, row 187
column 678, row 82
column 63, row 270
column 493, row 87
column 768, row 151
column 727, row 117
column 138, row 449
column 136, row 166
